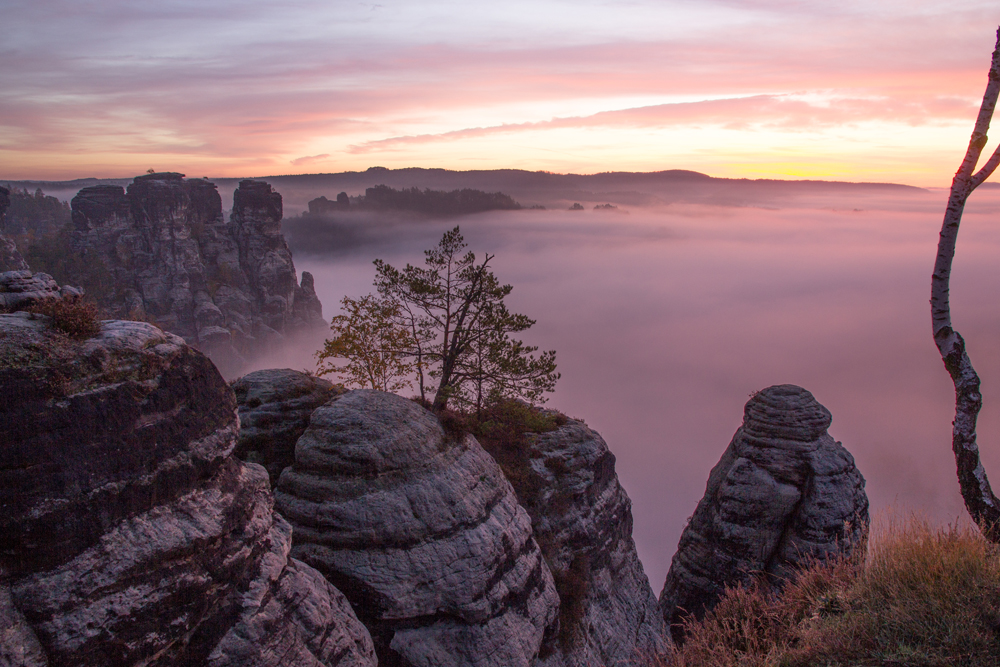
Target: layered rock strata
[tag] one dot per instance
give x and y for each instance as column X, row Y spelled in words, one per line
column 20, row 289
column 274, row 408
column 784, row 493
column 228, row 288
column 129, row 534
column 421, row 532
column 582, row 520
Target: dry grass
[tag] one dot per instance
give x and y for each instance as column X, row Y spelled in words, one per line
column 77, row 318
column 923, row 596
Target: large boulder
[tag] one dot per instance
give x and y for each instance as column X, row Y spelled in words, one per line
column 582, row 520
column 274, row 407
column 783, row 494
column 421, row 531
column 129, row 534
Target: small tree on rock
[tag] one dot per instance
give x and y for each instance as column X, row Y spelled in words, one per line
column 367, row 335
column 460, row 330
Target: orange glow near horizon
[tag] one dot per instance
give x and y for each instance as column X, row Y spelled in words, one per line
column 872, row 92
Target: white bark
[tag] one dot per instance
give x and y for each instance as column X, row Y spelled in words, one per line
column 982, row 504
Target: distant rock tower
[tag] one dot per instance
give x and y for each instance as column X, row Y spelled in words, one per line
column 784, row 492
column 228, row 288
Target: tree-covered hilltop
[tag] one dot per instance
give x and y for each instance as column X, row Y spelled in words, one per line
column 34, row 214
column 429, row 202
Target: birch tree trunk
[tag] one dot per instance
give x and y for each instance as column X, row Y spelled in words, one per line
column 982, row 504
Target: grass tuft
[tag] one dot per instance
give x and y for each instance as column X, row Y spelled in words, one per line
column 923, row 596
column 77, row 318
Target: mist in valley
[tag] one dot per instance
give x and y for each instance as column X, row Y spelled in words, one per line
column 666, row 318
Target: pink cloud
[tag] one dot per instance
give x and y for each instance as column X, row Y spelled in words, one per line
column 310, row 159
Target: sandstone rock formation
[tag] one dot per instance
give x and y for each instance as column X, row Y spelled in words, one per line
column 10, row 258
column 228, row 288
column 323, row 206
column 20, row 289
column 582, row 520
column 783, row 492
column 274, row 408
column 421, row 532
column 129, row 534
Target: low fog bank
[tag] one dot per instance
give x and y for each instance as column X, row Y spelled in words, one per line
column 667, row 318
column 667, row 312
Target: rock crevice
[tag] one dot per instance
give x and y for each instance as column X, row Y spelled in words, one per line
column 582, row 519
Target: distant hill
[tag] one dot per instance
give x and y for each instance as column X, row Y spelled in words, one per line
column 533, row 187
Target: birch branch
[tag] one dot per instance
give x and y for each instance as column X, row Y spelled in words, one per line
column 979, row 499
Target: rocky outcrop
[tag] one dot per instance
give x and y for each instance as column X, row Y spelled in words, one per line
column 129, row 534
column 582, row 520
column 228, row 288
column 422, row 533
column 323, row 206
column 10, row 258
column 20, row 289
column 274, row 409
column 783, row 493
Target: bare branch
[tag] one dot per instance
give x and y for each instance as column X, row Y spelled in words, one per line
column 987, row 170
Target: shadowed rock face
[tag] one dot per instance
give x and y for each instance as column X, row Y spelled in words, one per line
column 228, row 288
column 421, row 532
column 783, row 493
column 129, row 534
column 10, row 258
column 582, row 520
column 274, row 408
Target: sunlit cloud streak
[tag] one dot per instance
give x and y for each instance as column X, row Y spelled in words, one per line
column 740, row 113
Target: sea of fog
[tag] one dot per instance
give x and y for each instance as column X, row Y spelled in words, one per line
column 665, row 320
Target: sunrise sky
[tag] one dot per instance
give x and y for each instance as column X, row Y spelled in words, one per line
column 862, row 91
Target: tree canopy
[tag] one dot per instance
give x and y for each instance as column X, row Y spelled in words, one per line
column 367, row 336
column 451, row 328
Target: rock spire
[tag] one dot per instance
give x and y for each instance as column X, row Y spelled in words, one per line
column 783, row 493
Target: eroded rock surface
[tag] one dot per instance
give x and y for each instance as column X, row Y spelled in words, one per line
column 784, row 492
column 421, row 532
column 582, row 520
column 274, row 408
column 228, row 288
column 10, row 258
column 129, row 534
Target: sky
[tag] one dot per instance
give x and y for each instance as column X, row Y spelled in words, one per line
column 880, row 90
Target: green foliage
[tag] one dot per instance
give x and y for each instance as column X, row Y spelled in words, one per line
column 503, row 429
column 32, row 215
column 77, row 318
column 367, row 335
column 460, row 329
column 922, row 597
